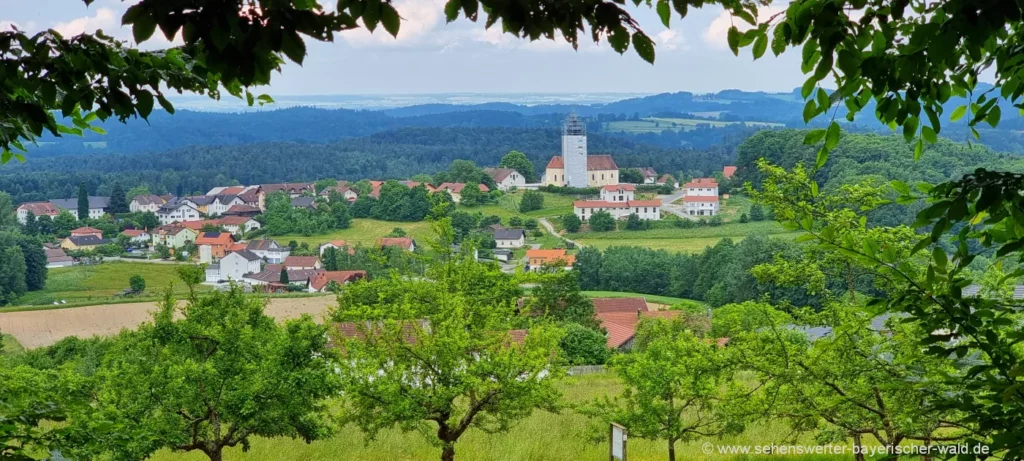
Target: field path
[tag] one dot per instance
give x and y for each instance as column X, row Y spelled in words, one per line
column 44, row 327
column 551, row 230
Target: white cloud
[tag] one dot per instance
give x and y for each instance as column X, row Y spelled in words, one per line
column 105, row 18
column 717, row 32
column 670, row 40
column 419, row 18
column 8, row 25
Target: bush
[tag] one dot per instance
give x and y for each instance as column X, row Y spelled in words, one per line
column 565, row 190
column 634, row 223
column 490, row 220
column 515, row 221
column 137, row 283
column 571, row 223
column 530, row 224
column 757, row 212
column 744, row 218
column 583, row 346
column 532, row 200
column 602, row 221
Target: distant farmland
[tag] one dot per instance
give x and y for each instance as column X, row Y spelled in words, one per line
column 657, row 124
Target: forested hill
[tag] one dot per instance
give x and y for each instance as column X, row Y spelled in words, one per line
column 392, row 154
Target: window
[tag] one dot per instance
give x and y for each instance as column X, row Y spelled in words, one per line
column 592, row 176
column 602, row 176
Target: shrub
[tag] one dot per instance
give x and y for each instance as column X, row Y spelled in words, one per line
column 530, row 224
column 137, row 283
column 634, row 223
column 571, row 223
column 532, row 200
column 744, row 218
column 602, row 221
column 583, row 346
column 515, row 221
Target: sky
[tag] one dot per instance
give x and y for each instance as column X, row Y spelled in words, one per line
column 430, row 56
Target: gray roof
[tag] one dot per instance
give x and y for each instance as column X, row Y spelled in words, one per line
column 88, row 240
column 303, row 202
column 248, row 255
column 974, row 289
column 148, row 199
column 72, row 203
column 213, row 266
column 261, row 244
column 501, row 252
column 509, row 234
column 201, row 199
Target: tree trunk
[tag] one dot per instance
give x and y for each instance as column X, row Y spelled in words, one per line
column 448, row 452
column 671, row 450
column 217, row 454
column 857, row 448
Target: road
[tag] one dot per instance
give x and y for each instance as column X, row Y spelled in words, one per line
column 551, row 230
column 668, row 206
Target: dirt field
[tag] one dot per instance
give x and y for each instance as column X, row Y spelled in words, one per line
column 41, row 328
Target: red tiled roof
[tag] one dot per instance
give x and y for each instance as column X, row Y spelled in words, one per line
column 701, row 182
column 404, row 243
column 728, row 171
column 240, row 209
column 666, row 178
column 233, row 190
column 636, row 203
column 456, row 187
column 293, row 187
column 499, row 174
column 621, row 326
column 613, row 187
column 230, row 220
column 86, row 231
column 634, row 305
column 133, row 232
column 194, row 225
column 339, row 277
column 545, row 254
column 40, row 208
column 556, row 162
column 700, row 198
column 626, row 204
column 301, row 261
column 601, row 162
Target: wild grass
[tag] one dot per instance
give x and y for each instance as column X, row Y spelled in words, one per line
column 691, row 240
column 540, row 437
column 666, row 300
column 10, row 345
column 97, row 284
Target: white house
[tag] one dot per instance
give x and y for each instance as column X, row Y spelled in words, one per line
column 137, row 235
column 336, row 244
column 97, row 206
column 618, row 193
column 645, row 209
column 236, row 224
column 147, row 202
column 38, row 209
column 180, row 211
column 235, row 264
column 222, row 203
column 268, row 249
column 509, row 238
column 700, row 205
column 347, row 192
column 702, row 187
column 650, row 176
column 506, row 178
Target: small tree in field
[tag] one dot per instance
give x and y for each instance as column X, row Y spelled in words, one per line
column 137, row 283
column 571, row 223
column 602, row 221
column 224, row 373
column 532, row 200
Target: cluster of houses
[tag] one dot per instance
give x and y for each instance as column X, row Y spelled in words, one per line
column 619, row 201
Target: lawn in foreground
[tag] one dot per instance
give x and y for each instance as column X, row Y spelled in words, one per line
column 540, row 437
column 99, row 283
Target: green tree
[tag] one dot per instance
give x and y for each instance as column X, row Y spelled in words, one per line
column 673, row 387
column 454, row 332
column 631, row 176
column 633, row 222
column 83, row 202
column 8, row 217
column 757, row 212
column 531, row 201
column 397, row 232
column 517, row 161
column 12, row 275
column 118, row 200
column 163, row 251
column 284, row 276
column 530, row 223
column 749, row 316
column 363, row 206
column 588, row 268
column 322, row 184
column 602, row 221
column 515, row 221
column 64, row 223
column 472, row 196
column 571, row 223
column 583, row 346
column 31, row 224
column 744, row 219
column 558, row 296
column 222, row 374
column 137, row 283
column 136, row 191
column 148, row 220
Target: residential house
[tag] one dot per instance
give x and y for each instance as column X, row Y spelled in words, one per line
column 336, row 244
column 668, row 179
column 270, row 276
column 455, row 189
column 618, row 193
column 236, row 264
column 147, row 203
column 233, row 190
column 269, row 250
column 702, row 187
column 97, row 206
column 38, row 209
column 173, row 235
column 306, row 202
column 236, row 224
column 405, row 243
column 509, row 238
column 83, row 243
column 137, row 236
column 619, row 201
column 700, row 205
column 650, row 176
column 302, row 263
column 178, row 211
column 222, row 203
column 323, row 281
column 502, row 255
column 601, row 171
column 56, row 257
column 213, row 245
column 243, row 210
column 200, row 202
column 537, row 259
column 506, row 178
column 291, row 189
column 728, row 171
column 347, row 192
column 621, row 326
column 85, row 231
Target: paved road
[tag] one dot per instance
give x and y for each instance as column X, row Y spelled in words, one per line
column 668, row 206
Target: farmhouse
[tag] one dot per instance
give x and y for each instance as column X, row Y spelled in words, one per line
column 36, row 208
column 343, row 189
column 173, row 235
column 619, row 201
column 509, row 238
column 324, row 281
column 177, row 211
column 506, row 178
column 404, row 243
column 85, row 231
column 97, row 206
column 336, row 244
column 650, row 176
column 147, row 203
column 213, row 245
column 537, row 259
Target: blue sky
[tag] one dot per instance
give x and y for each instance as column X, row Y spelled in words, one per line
column 433, row 57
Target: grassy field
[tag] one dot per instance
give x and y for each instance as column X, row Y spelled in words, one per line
column 508, row 206
column 666, row 300
column 657, row 125
column 677, row 239
column 11, row 346
column 540, row 437
column 99, row 283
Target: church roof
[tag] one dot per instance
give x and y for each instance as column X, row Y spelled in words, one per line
column 594, row 163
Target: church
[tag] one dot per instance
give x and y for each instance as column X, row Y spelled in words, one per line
column 574, row 168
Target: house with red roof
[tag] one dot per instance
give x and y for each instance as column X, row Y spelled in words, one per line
column 337, row 245
column 213, row 245
column 619, row 200
column 302, row 263
column 137, row 235
column 405, row 243
column 455, row 189
column 728, row 171
column 537, row 258
column 325, row 280
column 701, row 197
column 38, row 209
column 84, row 231
column 506, row 178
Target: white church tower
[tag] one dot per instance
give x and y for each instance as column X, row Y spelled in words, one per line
column 574, row 151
